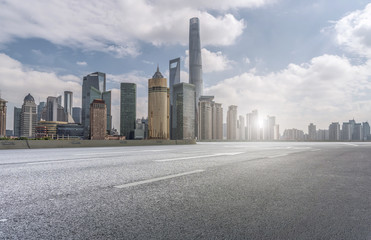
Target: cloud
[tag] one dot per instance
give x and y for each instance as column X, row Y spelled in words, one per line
column 321, row 91
column 211, row 61
column 118, row 27
column 354, row 31
column 138, row 77
column 82, row 63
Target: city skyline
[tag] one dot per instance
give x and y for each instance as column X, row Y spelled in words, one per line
column 307, row 62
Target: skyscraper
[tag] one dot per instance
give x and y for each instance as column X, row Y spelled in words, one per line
column 94, row 87
column 217, row 121
column 183, row 114
column 28, row 117
column 312, row 132
column 241, row 128
column 158, row 107
column 174, row 78
column 334, row 131
column 40, row 109
column 232, row 123
column 98, row 113
column 128, row 109
column 195, row 62
column 205, row 117
column 366, row 131
column 17, row 122
column 252, row 126
column 51, row 109
column 2, row 117
column 76, row 114
column 68, row 102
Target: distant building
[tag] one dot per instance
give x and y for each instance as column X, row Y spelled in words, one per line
column 76, row 114
column 48, row 129
column 9, row 133
column 217, row 121
column 28, row 117
column 174, row 78
column 241, row 128
column 366, row 131
column 68, row 100
column 94, row 87
column 293, row 135
column 183, row 114
column 158, row 107
column 334, row 131
column 312, row 132
column 276, row 132
column 40, row 109
column 270, row 122
column 358, row 132
column 17, row 122
column 205, row 118
column 51, row 109
column 128, row 109
column 2, row 117
column 141, row 129
column 71, row 130
column 252, row 126
column 195, row 62
column 323, row 135
column 98, row 119
column 232, row 123
column 346, row 134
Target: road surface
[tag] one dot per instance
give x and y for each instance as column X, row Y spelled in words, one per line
column 204, row 191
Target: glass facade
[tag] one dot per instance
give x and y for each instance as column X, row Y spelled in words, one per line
column 183, row 115
column 128, row 93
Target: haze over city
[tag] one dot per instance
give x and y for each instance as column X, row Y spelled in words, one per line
column 299, row 61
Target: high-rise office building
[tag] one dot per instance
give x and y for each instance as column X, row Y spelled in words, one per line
column 98, row 119
column 232, row 123
column 40, row 109
column 358, row 132
column 195, row 62
column 312, row 132
column 76, row 114
column 334, row 131
column 2, row 117
column 205, row 117
column 68, row 99
column 94, row 87
column 217, row 121
column 252, row 126
column 366, row 131
column 28, row 117
column 17, row 122
column 183, row 114
column 174, row 78
column 128, row 109
column 345, row 132
column 158, row 107
column 241, row 128
column 51, row 109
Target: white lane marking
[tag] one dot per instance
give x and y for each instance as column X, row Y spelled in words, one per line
column 57, row 161
column 157, row 179
column 350, row 144
column 123, row 152
column 203, row 156
column 3, row 220
column 275, row 156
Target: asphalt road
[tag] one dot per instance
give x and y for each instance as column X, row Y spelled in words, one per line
column 203, row 191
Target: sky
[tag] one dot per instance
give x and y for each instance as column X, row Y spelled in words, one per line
column 301, row 61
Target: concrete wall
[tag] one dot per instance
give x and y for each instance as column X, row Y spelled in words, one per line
column 31, row 144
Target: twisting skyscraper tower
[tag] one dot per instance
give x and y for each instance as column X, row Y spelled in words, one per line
column 195, row 63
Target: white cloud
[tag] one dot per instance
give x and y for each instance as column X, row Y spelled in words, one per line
column 40, row 84
column 117, row 27
column 211, row 61
column 138, row 77
column 82, row 63
column 354, row 31
column 321, row 91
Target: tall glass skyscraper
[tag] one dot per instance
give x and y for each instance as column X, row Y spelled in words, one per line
column 94, row 87
column 128, row 110
column 195, row 62
column 68, row 102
